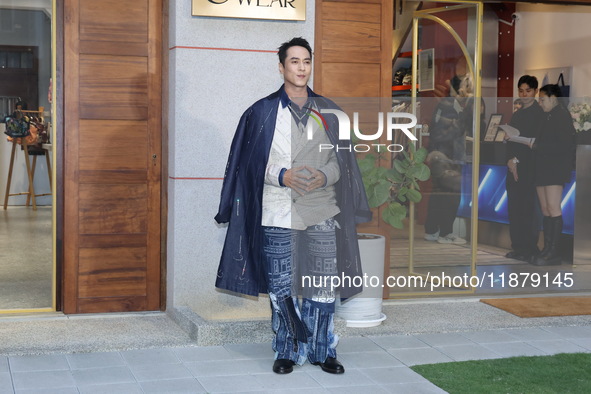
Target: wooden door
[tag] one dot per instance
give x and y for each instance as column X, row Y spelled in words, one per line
column 353, row 58
column 353, row 48
column 112, row 155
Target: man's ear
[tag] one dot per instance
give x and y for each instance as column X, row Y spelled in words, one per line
column 281, row 68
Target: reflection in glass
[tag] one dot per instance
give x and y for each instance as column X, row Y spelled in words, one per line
column 436, row 244
column 26, row 256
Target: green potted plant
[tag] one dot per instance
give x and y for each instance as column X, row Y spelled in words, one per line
column 394, row 186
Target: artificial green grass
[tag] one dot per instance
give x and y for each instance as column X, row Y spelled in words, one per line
column 561, row 373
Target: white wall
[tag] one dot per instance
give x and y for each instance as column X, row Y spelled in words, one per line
column 211, row 84
column 549, row 36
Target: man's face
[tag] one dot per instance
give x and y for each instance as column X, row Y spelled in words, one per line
column 527, row 94
column 298, row 67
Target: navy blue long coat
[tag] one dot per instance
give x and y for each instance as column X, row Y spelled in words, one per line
column 242, row 267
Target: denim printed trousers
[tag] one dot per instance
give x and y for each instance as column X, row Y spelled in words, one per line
column 304, row 328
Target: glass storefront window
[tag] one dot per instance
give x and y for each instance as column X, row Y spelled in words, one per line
column 27, row 280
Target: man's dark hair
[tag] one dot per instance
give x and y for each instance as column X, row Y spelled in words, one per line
column 530, row 80
column 294, row 42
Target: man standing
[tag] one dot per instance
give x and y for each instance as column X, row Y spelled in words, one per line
column 292, row 208
column 521, row 191
column 447, row 146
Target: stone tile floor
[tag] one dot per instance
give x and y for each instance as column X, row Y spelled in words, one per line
column 376, row 364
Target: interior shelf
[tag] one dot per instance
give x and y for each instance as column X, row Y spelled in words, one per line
column 402, row 87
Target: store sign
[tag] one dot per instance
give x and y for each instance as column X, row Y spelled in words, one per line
column 293, row 10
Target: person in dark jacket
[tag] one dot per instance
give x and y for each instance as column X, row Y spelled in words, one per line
column 554, row 155
column 521, row 190
column 452, row 121
column 292, row 209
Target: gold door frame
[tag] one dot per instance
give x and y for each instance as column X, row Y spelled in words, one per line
column 475, row 68
column 54, row 121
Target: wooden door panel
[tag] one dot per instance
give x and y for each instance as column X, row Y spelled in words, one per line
column 97, row 241
column 351, row 46
column 113, row 145
column 113, row 87
column 120, row 176
column 361, row 55
column 107, row 271
column 114, row 20
column 112, row 304
column 351, row 79
column 353, row 12
column 113, row 209
column 112, row 155
column 354, row 37
column 351, row 32
column 114, row 48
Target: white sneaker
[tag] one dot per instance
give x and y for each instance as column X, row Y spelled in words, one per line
column 451, row 239
column 432, row 237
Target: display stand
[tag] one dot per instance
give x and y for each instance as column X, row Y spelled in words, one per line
column 30, row 169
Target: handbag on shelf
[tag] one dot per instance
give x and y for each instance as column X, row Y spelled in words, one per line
column 17, row 125
column 564, row 89
column 30, row 130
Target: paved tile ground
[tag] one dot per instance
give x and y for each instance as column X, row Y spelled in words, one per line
column 374, row 364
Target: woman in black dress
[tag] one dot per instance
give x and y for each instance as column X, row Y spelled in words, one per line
column 554, row 157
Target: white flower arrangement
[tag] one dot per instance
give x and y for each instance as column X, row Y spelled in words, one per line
column 581, row 114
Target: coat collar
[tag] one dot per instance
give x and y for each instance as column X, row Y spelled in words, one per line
column 282, row 96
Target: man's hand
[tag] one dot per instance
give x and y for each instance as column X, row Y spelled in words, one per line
column 304, row 179
column 512, row 168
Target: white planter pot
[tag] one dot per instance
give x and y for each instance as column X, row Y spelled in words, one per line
column 365, row 309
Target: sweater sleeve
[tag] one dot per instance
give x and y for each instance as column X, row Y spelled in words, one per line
column 512, row 146
column 272, row 175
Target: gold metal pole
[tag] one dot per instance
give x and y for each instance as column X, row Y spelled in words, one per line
column 413, row 90
column 53, row 141
column 476, row 142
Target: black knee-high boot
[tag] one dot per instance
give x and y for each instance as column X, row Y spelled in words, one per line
column 552, row 256
column 547, row 228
